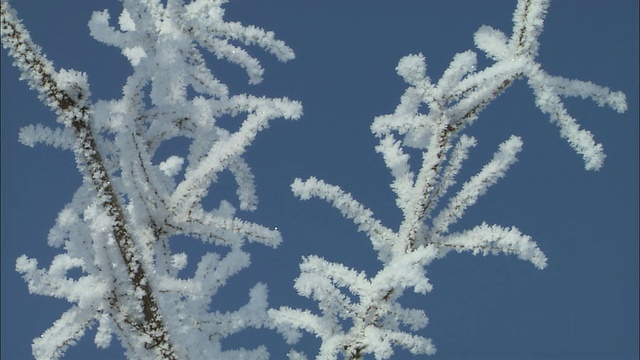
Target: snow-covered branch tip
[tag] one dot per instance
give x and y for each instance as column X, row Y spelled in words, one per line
column 521, row 50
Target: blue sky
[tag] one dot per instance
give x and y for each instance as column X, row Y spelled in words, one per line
column 584, row 305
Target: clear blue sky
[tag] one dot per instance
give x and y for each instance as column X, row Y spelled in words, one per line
column 584, row 305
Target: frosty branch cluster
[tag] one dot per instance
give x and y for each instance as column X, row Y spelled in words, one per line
column 120, row 222
column 118, row 226
column 377, row 322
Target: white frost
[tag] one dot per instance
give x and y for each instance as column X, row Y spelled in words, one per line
column 172, row 166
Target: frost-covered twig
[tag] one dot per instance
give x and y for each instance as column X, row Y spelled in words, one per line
column 66, row 93
column 119, row 224
column 377, row 322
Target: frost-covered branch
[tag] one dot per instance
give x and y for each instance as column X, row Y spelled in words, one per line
column 66, row 92
column 377, row 321
column 119, row 224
